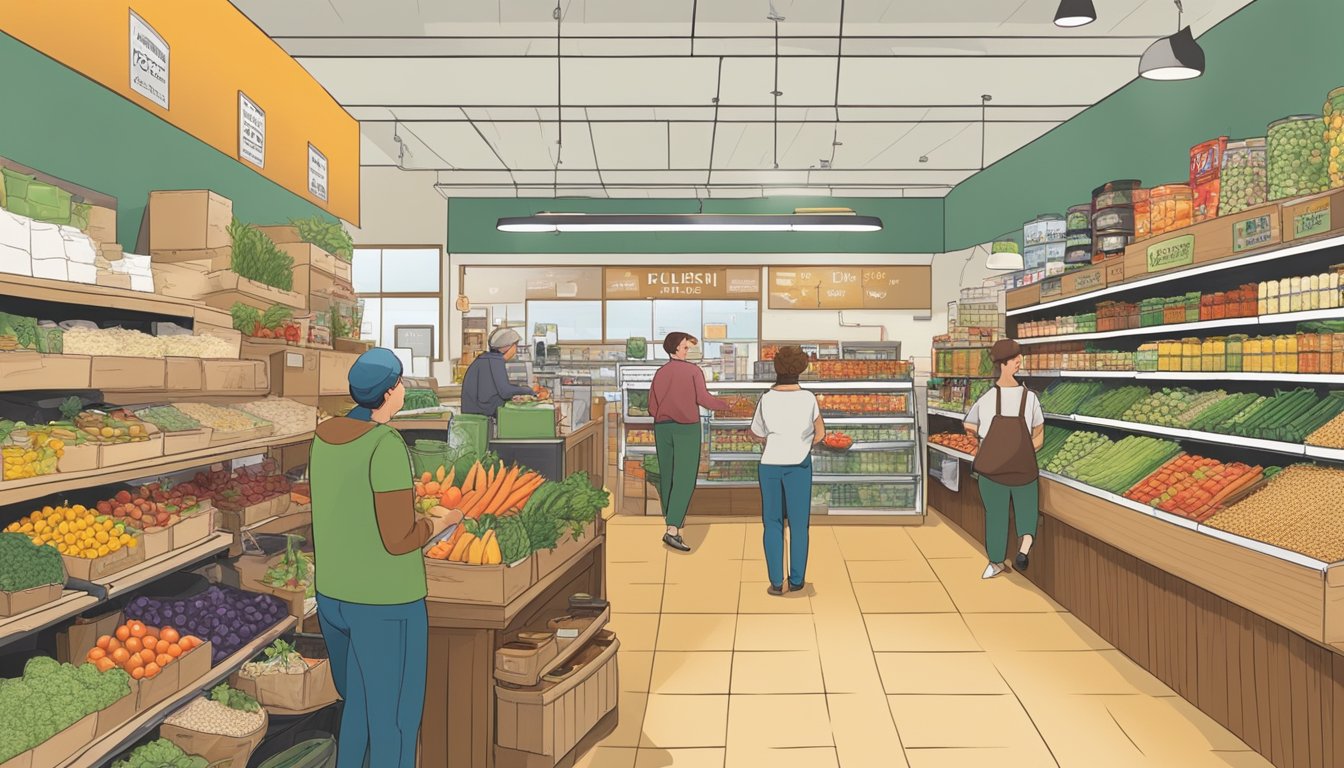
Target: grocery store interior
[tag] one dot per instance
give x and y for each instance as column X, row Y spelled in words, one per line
column 596, row 384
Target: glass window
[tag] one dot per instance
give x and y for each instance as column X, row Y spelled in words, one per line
column 365, row 270
column 672, row 315
column 410, row 270
column 372, row 324
column 629, row 318
column 575, row 320
column 396, row 312
column 399, row 286
column 509, row 315
column 739, row 316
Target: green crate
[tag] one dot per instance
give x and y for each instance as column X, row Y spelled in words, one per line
column 526, row 421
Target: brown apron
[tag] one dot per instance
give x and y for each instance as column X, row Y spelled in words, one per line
column 1006, row 455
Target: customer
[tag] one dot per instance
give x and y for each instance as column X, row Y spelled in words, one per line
column 1011, row 428
column 676, row 395
column 486, row 385
column 789, row 420
column 371, row 588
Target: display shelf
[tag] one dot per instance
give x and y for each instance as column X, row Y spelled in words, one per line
column 954, row 453
column 1273, row 253
column 569, row 651
column 1288, row 378
column 947, row 413
column 1281, row 318
column 120, row 583
column 280, row 523
column 1274, row 446
column 1323, row 453
column 101, row 750
column 641, row 420
column 62, row 292
column 1087, row 374
column 881, row 446
column 70, row 604
column 15, row 491
column 734, row 457
column 839, row 479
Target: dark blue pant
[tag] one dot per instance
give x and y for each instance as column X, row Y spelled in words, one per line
column 786, row 491
column 379, row 655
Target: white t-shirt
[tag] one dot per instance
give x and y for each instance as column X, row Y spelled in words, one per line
column 787, row 420
column 982, row 413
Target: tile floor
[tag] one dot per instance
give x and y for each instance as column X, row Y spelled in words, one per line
column 895, row 654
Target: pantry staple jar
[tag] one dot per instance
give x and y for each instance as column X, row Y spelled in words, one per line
column 1296, row 160
column 1334, row 136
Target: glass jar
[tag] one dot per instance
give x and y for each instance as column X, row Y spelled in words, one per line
column 1296, row 157
column 1112, row 193
column 1334, row 136
column 1170, row 207
column 1244, row 180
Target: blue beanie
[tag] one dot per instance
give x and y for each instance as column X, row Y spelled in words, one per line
column 371, row 377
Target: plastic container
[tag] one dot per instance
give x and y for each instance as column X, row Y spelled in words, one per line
column 1297, row 157
column 1143, row 219
column 1115, row 193
column 1206, row 165
column 1170, row 207
column 1045, row 228
column 429, row 455
column 1078, row 219
column 1334, row 136
column 1244, row 182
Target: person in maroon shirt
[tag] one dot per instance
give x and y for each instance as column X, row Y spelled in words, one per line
column 677, row 394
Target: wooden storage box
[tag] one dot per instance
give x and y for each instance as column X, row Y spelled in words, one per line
column 102, row 567
column 1115, row 271
column 226, row 288
column 1083, row 281
column 181, row 279
column 186, row 441
column 75, row 641
column 525, row 666
column 14, row 603
column 184, row 374
column 309, row 255
column 24, row 369
column 539, row 725
column 128, row 373
column 83, row 457
column 193, row 528
column 114, row 454
column 116, row 715
column 236, row 519
column 188, row 220
column 218, row 438
column 334, row 372
column 482, row 584
column 62, row 746
column 1214, row 240
column 156, row 541
column 224, row 375
column 1025, row 296
column 547, row 560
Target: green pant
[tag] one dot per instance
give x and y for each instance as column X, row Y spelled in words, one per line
column 678, row 447
column 1026, row 508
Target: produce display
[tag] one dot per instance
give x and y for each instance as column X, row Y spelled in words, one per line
column 1297, row 509
column 294, row 571
column 1194, row 486
column 1054, row 439
column 215, row 715
column 28, row 451
column 496, row 491
column 507, row 534
column 741, row 405
column 140, row 651
column 275, row 323
column 168, row 419
column 256, row 257
column 124, row 342
column 1170, row 407
column 1068, row 396
column 142, row 510
column 248, row 486
column 732, row 472
column 722, row 440
column 330, row 236
column 50, row 697
column 1329, row 435
column 227, row 617
column 420, row 399
column 1118, row 466
column 957, row 441
column 1113, row 403
column 219, row 418
column 280, row 658
column 119, row 426
column 571, row 504
column 160, row 753
column 1077, row 447
column 867, row 404
column 639, row 403
column 837, row 441
column 288, row 416
column 1287, row 416
column 1296, row 159
column 478, row 544
column 24, row 564
column 864, row 495
column 645, row 436
column 863, row 463
column 75, row 531
column 862, row 370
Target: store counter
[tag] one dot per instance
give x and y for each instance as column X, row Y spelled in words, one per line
column 582, row 450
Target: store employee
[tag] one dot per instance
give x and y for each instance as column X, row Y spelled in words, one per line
column 486, row 386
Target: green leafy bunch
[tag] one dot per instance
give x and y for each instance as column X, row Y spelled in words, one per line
column 281, row 652
column 50, row 697
column 256, row 257
column 234, row 698
column 330, row 236
column 161, row 753
column 24, row 565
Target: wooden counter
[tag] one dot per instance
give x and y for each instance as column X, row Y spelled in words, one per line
column 559, row 457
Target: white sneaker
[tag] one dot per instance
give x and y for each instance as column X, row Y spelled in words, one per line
column 992, row 570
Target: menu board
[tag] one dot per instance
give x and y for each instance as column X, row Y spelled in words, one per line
column 682, row 283
column 855, row 287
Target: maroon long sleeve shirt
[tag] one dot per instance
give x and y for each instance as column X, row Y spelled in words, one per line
column 678, row 392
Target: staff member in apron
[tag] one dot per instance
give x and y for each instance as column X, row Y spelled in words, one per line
column 486, row 386
column 1011, row 428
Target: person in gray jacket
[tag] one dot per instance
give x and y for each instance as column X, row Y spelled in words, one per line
column 486, row 386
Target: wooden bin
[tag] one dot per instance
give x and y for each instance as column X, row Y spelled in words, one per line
column 537, row 726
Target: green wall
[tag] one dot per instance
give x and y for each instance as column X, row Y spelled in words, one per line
column 61, row 123
column 1272, row 59
column 909, row 225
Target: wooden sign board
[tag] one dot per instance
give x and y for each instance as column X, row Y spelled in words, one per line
column 583, row 283
column 681, row 283
column 853, row 287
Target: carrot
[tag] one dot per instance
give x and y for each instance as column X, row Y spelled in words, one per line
column 520, row 493
column 449, row 480
column 439, row 475
column 502, row 488
column 473, row 508
column 425, row 478
column 490, row 478
column 1236, row 485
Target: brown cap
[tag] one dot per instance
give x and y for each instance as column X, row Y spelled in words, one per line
column 1004, row 350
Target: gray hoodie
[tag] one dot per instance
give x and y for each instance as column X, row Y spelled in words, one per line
column 486, row 386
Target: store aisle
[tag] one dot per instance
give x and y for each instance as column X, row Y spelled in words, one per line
column 895, row 654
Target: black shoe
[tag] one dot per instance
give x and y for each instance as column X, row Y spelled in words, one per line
column 796, row 587
column 676, row 542
column 776, row 591
column 1021, row 562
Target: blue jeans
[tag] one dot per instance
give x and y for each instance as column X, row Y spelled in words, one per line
column 786, row 491
column 379, row 657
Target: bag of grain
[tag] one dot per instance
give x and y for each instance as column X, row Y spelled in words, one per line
column 225, row 726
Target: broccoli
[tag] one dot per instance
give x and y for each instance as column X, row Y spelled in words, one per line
column 51, row 697
column 160, row 754
column 24, row 565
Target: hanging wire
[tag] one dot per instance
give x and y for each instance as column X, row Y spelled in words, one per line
column 559, row 108
column 776, row 92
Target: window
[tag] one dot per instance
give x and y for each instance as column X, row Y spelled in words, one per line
column 400, row 285
column 574, row 320
column 674, row 315
column 629, row 318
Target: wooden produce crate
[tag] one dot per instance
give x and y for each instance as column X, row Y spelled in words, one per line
column 116, row 715
column 80, row 458
column 235, row 519
column 78, row 638
column 114, row 454
column 102, row 567
column 222, row 375
column 481, row 584
column 58, row 748
column 184, row 374
column 547, row 560
column 539, row 725
column 24, row 369
column 291, row 694
column 186, row 441
column 334, row 372
column 189, row 220
column 218, row 437
column 14, row 603
column 181, row 279
column 128, row 373
column 193, row 527
column 225, row 288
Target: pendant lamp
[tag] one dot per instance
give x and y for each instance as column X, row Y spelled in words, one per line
column 1177, row 57
column 1075, row 13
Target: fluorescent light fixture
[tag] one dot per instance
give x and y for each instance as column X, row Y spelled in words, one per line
column 1075, row 13
column 1177, row 57
column 690, row 222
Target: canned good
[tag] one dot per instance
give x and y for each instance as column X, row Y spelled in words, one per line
column 1079, row 218
column 1045, row 228
column 1114, row 219
column 1113, row 193
column 1109, row 244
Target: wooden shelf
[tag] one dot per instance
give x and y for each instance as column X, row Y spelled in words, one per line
column 1280, row 318
column 71, row 604
column 947, row 413
column 572, row 648
column 63, row 292
column 951, row 452
column 101, row 750
column 15, row 491
column 1274, row 446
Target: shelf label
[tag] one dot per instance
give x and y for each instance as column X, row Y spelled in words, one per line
column 1313, row 219
column 1252, row 233
column 251, row 131
column 1168, row 254
column 317, row 173
column 148, row 62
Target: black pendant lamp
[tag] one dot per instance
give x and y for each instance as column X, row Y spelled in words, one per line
column 1075, row 13
column 1177, row 57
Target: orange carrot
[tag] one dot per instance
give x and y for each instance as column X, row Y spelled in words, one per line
column 520, row 494
column 1236, row 485
column 474, row 508
column 449, row 480
column 502, row 480
column 503, row 488
column 490, row 478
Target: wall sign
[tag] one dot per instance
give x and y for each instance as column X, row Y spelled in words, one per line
column 1168, row 254
column 251, row 131
column 681, row 283
column 149, row 62
column 317, row 173
column 859, row 287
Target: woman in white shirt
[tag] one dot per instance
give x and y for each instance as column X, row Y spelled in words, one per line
column 1011, row 427
column 789, row 420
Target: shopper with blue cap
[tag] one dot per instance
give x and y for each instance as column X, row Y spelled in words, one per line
column 371, row 587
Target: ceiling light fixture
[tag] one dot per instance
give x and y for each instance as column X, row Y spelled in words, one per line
column 690, row 222
column 1177, row 57
column 1075, row 13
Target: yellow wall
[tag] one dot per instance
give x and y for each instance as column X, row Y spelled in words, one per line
column 215, row 52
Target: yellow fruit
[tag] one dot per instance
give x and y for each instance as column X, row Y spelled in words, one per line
column 103, row 551
column 101, row 537
column 55, row 444
column 130, row 541
column 64, row 527
column 113, row 545
column 70, row 538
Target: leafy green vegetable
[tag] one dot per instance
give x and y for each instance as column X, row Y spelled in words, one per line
column 276, row 316
column 24, row 565
column 245, row 318
column 295, row 569
column 256, row 257
column 234, row 698
column 330, row 236
column 50, row 697
column 513, row 541
column 70, row 408
column 161, row 753
column 417, row 399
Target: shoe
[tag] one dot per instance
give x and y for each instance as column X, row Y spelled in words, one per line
column 796, row 587
column 676, row 542
column 1021, row 562
column 776, row 591
column 992, row 570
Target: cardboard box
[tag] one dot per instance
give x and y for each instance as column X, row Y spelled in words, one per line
column 102, row 567
column 183, row 374
column 1083, row 280
column 217, row 749
column 282, row 234
column 80, row 637
column 114, row 454
column 218, row 437
column 313, row 282
column 111, row 252
column 181, row 280
column 189, row 220
column 156, row 542
column 1314, row 216
column 25, row 369
column 236, row 518
column 307, row 254
column 193, row 528
column 550, row 719
column 1023, row 297
column 216, row 258
column 334, row 372
column 253, row 348
column 294, row 373
column 186, row 442
column 353, row 346
column 547, row 560
column 1225, row 237
column 481, row 584
column 21, row 760
column 65, row 744
column 102, row 227
column 194, row 664
column 128, row 373
column 107, row 279
column 151, row 691
column 224, row 375
column 84, row 457
column 1052, row 288
column 226, row 288
column 116, row 715
column 291, row 694
column 14, row 603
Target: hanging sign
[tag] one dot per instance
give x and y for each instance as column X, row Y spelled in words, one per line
column 681, row 283
column 251, row 131
column 852, row 287
column 317, row 173
column 149, row 62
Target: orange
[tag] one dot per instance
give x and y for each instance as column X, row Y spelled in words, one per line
column 104, row 642
column 137, row 673
column 120, row 655
column 170, row 635
column 149, row 641
column 134, row 645
column 151, row 669
column 174, row 650
column 134, row 662
column 148, row 656
column 163, row 659
column 138, row 629
column 189, row 642
column 96, row 654
column 161, row 647
column 106, row 665
column 123, row 632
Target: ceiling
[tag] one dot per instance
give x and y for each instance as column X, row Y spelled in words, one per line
column 673, row 98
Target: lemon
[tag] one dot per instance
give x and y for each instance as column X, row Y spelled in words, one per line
column 101, row 536
column 63, row 528
column 113, row 545
column 103, row 550
column 130, row 542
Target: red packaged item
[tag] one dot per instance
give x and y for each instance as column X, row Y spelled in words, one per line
column 1206, row 167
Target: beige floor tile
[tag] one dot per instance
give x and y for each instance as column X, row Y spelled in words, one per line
column 702, row 570
column 692, row 672
column 1025, row 756
column 635, row 598
column 863, row 730
column 775, row 632
column 1233, row 759
column 762, row 672
column 1010, row 593
column 642, row 572
column 637, row 631
column 755, row 598
column 721, row 541
column 1081, row 732
column 680, row 758
column 945, row 673
column 630, row 709
column 914, row 569
column 875, row 543
column 788, row 720
column 903, row 597
column 961, row 721
column 920, row 632
column 1053, row 673
column 938, row 539
column 719, row 597
column 850, row 672
column 607, row 757
column 636, row 669
column 1169, row 726
column 696, row 632
column 792, row 757
column 1033, row 632
column 685, row 721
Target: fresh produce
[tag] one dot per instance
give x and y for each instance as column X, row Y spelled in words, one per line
column 862, row 370
column 837, row 441
column 168, row 419
column 1244, row 180
column 498, row 492
column 1112, row 404
column 330, row 236
column 229, row 618
column 139, row 650
column 281, row 658
column 25, row 564
column 720, row 441
column 128, row 343
column 957, row 441
column 1118, row 466
column 295, row 569
column 112, row 428
column 252, row 485
column 288, row 416
column 277, row 322
column 1296, row 158
column 870, row 404
column 419, row 399
column 573, row 501
column 234, row 698
column 864, row 495
column 437, row 490
column 638, row 403
column 160, row 753
column 214, row 716
column 1297, row 509
column 1167, row 407
column 31, row 451
column 478, row 544
column 140, row 511
column 1076, row 448
column 1068, row 396
column 75, row 531
column 256, row 257
column 732, row 471
column 1288, row 416
column 219, row 418
column 1222, row 410
column 893, row 462
column 50, row 697
column 1329, row 435
column 1055, row 437
column 513, row 542
column 17, row 332
column 1194, row 486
